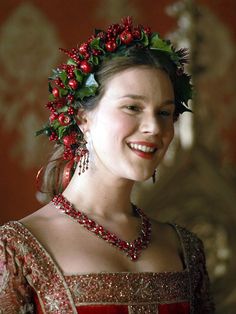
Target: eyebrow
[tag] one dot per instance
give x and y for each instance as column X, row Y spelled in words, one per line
column 141, row 97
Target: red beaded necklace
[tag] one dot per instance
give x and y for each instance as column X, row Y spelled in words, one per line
column 131, row 249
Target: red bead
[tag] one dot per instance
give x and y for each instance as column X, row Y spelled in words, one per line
column 73, row 84
column 63, row 119
column 55, row 92
column 131, row 249
column 85, row 66
column 126, row 37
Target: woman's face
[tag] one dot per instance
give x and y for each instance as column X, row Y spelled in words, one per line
column 132, row 126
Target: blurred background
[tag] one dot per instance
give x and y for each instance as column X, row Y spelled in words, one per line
column 196, row 184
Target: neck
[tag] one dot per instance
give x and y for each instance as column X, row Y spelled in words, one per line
column 95, row 194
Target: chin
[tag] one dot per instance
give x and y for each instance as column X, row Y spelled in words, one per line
column 142, row 178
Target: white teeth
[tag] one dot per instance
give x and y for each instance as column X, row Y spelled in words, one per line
column 143, row 148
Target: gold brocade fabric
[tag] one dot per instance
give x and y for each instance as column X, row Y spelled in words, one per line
column 27, row 269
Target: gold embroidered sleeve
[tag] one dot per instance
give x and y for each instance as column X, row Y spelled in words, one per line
column 204, row 303
column 15, row 293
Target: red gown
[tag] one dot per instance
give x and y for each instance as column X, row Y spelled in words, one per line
column 31, row 282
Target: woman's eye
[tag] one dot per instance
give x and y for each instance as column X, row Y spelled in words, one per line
column 133, row 108
column 165, row 113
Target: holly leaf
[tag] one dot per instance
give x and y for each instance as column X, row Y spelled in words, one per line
column 63, row 77
column 160, row 44
column 63, row 92
column 79, row 76
column 97, row 31
column 144, row 39
column 49, row 87
column 62, row 130
column 86, row 92
column 71, row 62
column 62, row 109
column 51, row 97
column 42, row 131
column 95, row 43
column 55, row 124
column 55, row 74
column 94, row 60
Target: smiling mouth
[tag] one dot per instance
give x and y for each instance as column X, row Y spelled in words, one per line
column 142, row 148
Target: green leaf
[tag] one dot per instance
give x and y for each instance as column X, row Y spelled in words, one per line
column 94, row 60
column 51, row 97
column 56, row 124
column 63, row 77
column 97, row 31
column 49, row 87
column 43, row 130
column 95, row 43
column 86, row 92
column 160, row 44
column 62, row 109
column 55, row 74
column 71, row 62
column 144, row 39
column 79, row 76
column 63, row 92
column 61, row 131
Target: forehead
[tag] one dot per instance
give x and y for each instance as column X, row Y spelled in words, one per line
column 141, row 80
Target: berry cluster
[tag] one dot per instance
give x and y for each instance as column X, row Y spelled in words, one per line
column 73, row 81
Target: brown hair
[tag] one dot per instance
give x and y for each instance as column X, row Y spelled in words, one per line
column 52, row 179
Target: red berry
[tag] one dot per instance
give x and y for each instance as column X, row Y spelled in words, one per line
column 85, row 66
column 53, row 137
column 73, row 83
column 111, row 46
column 126, row 37
column 83, row 48
column 53, row 116
column 63, row 119
column 69, row 140
column 70, row 111
column 136, row 33
column 70, row 98
column 147, row 30
column 55, row 92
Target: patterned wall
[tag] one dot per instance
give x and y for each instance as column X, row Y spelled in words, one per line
column 196, row 184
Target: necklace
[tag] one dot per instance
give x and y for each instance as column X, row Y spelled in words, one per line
column 131, row 249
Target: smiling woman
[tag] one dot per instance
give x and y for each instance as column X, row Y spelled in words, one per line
column 91, row 250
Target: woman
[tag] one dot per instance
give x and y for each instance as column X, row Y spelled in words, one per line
column 90, row 250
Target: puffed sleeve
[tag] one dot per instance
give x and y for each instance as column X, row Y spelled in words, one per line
column 15, row 293
column 203, row 300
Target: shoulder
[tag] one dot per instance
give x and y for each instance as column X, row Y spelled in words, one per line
column 177, row 235
column 188, row 243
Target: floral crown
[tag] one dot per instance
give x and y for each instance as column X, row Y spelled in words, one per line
column 75, row 80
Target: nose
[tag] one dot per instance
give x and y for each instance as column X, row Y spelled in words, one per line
column 150, row 125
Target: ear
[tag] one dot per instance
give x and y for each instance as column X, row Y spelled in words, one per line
column 82, row 120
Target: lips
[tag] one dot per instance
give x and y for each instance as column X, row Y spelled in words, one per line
column 143, row 149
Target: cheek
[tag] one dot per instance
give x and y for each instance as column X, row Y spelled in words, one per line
column 168, row 134
column 109, row 132
column 118, row 126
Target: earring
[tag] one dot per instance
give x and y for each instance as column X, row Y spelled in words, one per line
column 82, row 158
column 154, row 176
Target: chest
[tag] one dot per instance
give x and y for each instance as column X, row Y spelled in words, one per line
column 87, row 253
